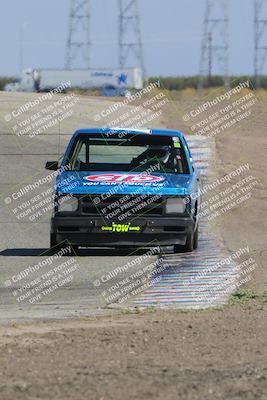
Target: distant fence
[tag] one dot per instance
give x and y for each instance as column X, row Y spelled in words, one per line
column 180, row 83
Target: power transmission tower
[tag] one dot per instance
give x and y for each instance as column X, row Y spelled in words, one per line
column 130, row 42
column 214, row 48
column 78, row 41
column 260, row 39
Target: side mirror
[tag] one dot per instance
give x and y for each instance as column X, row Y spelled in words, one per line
column 51, row 165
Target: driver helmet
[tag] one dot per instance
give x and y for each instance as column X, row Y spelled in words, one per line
column 161, row 153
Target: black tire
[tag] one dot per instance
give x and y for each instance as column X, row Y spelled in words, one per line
column 53, row 244
column 191, row 243
column 195, row 241
column 53, row 240
column 75, row 249
column 55, row 247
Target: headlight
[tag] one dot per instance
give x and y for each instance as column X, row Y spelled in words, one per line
column 67, row 203
column 176, row 205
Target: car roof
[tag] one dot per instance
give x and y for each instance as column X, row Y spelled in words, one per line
column 130, row 131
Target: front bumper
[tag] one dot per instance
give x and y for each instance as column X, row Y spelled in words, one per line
column 88, row 231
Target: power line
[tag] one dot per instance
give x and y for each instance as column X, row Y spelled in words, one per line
column 130, row 42
column 215, row 46
column 260, row 39
column 78, row 41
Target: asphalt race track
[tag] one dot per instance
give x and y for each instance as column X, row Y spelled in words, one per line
column 24, row 243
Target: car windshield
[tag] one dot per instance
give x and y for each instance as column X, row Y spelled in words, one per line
column 136, row 153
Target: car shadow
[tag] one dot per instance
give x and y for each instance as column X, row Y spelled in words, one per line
column 82, row 252
column 22, row 252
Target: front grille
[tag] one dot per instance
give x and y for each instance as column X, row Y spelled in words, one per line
column 117, row 206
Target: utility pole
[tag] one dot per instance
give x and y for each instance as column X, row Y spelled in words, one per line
column 210, row 59
column 78, row 40
column 21, row 46
column 214, row 47
column 260, row 39
column 130, row 41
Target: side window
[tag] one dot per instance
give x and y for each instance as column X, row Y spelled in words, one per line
column 79, row 155
column 82, row 153
column 187, row 148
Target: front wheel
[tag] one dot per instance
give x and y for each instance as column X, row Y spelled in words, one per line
column 53, row 240
column 190, row 244
column 195, row 241
column 55, row 246
column 192, row 241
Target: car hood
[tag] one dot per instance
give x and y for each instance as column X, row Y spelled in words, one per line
column 72, row 182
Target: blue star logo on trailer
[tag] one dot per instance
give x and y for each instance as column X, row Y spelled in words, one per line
column 122, row 78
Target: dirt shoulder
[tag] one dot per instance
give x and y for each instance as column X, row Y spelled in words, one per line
column 219, row 354
column 247, row 224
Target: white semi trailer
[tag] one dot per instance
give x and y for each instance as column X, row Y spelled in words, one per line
column 42, row 80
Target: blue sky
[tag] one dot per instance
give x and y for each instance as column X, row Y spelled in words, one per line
column 171, row 31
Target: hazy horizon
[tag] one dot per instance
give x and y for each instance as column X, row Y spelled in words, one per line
column 171, row 35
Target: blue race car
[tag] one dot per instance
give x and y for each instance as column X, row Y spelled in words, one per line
column 126, row 187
